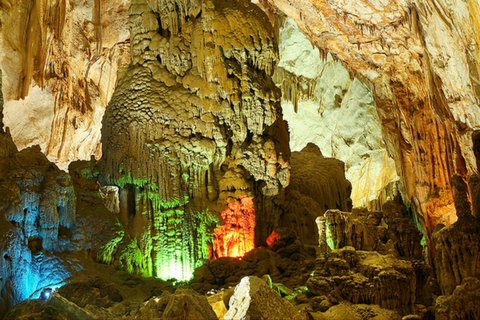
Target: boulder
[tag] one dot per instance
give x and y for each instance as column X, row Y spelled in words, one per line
column 56, row 307
column 254, row 299
column 463, row 303
column 183, row 304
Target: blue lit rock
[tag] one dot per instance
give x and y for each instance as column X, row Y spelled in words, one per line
column 56, row 307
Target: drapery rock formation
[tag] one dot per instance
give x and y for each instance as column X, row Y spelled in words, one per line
column 60, row 61
column 194, row 121
column 422, row 60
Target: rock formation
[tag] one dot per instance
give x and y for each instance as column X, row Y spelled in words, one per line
column 365, row 277
column 421, row 58
column 37, row 210
column 194, row 121
column 183, row 304
column 462, row 304
column 316, row 185
column 60, row 61
column 325, row 104
column 194, row 182
column 254, row 299
column 389, row 231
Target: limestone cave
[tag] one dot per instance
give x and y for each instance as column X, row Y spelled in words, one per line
column 240, row 159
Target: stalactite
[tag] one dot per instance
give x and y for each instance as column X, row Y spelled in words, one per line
column 197, row 100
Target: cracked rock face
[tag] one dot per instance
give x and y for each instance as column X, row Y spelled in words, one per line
column 194, row 121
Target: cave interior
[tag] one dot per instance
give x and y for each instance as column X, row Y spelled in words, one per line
column 240, row 159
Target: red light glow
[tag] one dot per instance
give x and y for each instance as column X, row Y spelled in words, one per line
column 236, row 237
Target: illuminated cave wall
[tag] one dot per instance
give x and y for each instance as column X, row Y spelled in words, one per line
column 61, row 58
column 422, row 59
column 325, row 104
column 194, row 121
column 60, row 61
column 37, row 207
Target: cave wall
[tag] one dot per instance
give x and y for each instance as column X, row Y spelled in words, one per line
column 418, row 58
column 324, row 103
column 60, row 61
column 421, row 58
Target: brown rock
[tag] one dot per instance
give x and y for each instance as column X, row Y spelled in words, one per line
column 365, row 277
column 254, row 299
column 424, row 128
column 457, row 253
column 463, row 303
column 183, row 304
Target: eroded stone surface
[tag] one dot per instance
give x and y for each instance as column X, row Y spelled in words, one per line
column 462, row 303
column 317, row 184
column 365, row 277
column 183, row 304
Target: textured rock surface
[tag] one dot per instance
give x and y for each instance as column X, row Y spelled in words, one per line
column 291, row 264
column 462, row 303
column 324, row 104
column 57, row 307
column 346, row 310
column 254, row 299
column 60, row 61
column 194, row 121
column 37, row 211
column 389, row 231
column 183, row 304
column 422, row 61
column 316, row 185
column 457, row 254
column 365, row 277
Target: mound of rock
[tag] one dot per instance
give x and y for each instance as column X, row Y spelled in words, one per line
column 365, row 277
column 183, row 304
column 254, row 299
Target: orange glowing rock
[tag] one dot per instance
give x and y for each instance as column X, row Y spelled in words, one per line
column 272, row 238
column 236, row 237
